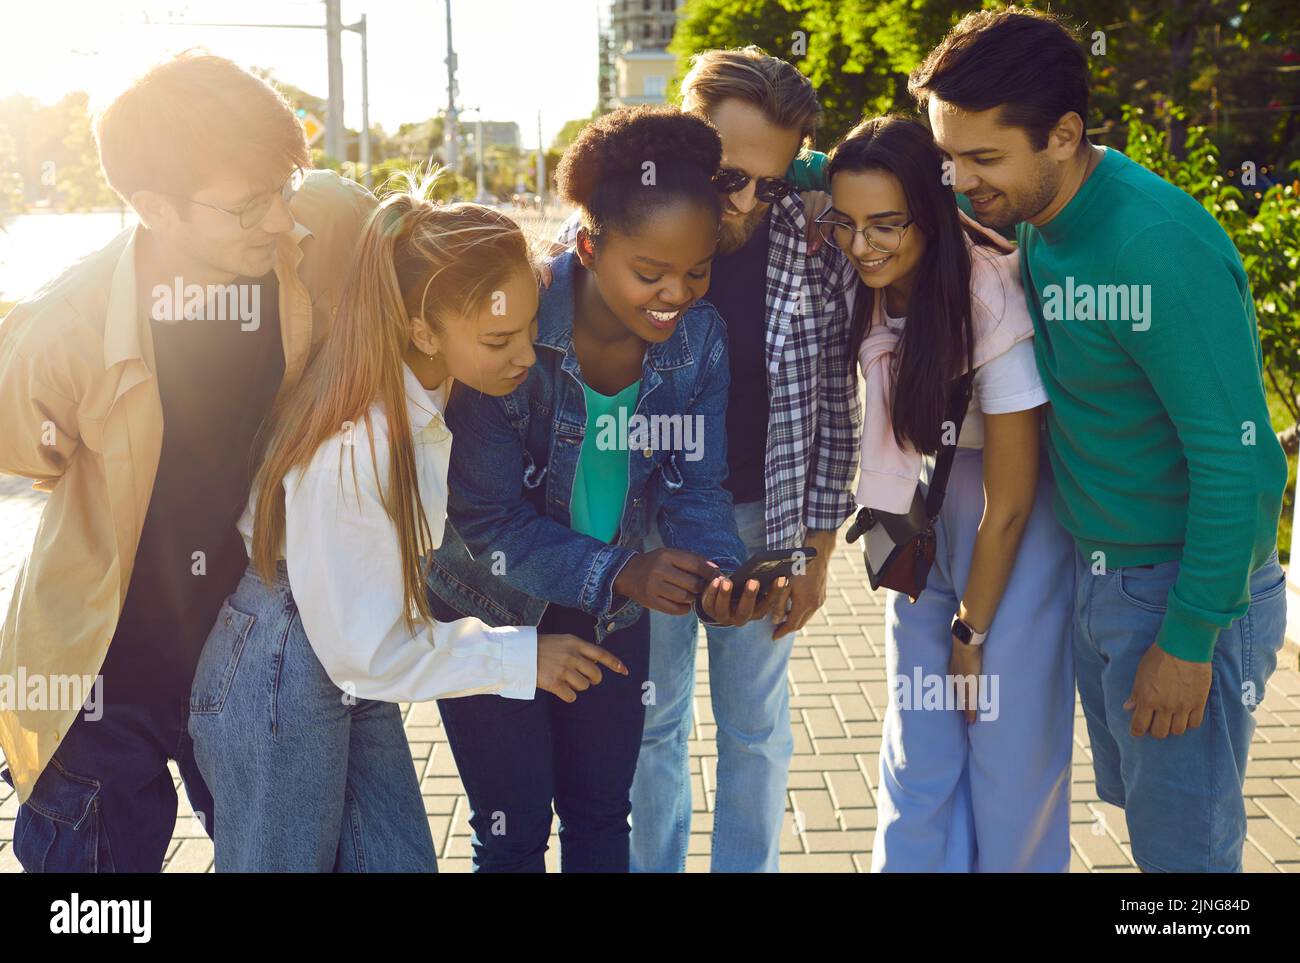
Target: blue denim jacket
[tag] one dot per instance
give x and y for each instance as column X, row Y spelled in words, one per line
column 508, row 549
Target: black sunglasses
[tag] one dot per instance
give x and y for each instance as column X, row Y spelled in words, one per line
column 766, row 189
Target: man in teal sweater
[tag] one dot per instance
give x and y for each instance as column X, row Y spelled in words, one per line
column 1168, row 474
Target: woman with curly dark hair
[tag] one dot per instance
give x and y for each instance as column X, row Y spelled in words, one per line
column 619, row 424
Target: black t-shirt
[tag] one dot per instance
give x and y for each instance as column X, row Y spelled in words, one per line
column 738, row 289
column 217, row 382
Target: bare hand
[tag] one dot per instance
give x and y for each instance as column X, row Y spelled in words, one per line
column 666, row 580
column 567, row 665
column 964, row 667
column 1168, row 695
column 716, row 601
column 806, row 592
column 815, row 204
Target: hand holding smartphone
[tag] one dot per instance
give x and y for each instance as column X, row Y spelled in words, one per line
column 765, row 568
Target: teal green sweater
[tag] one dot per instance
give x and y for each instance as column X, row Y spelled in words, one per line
column 1160, row 435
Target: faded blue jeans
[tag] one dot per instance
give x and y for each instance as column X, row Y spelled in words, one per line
column 1181, row 795
column 305, row 778
column 751, row 706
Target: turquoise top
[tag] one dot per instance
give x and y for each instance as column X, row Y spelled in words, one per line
column 600, row 484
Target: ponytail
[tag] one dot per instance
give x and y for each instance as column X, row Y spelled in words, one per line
column 415, row 259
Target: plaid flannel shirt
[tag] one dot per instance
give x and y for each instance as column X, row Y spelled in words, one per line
column 815, row 417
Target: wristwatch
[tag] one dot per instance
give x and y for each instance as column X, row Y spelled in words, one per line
column 964, row 634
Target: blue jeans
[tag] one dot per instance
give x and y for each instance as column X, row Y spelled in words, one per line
column 751, row 706
column 515, row 757
column 1182, row 795
column 307, row 778
column 106, row 802
column 992, row 796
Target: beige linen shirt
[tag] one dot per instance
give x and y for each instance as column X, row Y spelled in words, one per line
column 80, row 414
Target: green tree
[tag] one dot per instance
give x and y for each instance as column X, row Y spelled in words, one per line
column 1232, row 65
column 11, row 178
column 79, row 177
column 711, row 24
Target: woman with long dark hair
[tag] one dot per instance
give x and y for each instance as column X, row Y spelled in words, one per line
column 975, row 766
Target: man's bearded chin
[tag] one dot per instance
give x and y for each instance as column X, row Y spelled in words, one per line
column 735, row 232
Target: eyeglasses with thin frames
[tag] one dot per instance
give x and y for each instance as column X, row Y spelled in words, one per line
column 888, row 237
column 251, row 214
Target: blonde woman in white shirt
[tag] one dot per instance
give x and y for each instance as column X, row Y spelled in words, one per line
column 294, row 709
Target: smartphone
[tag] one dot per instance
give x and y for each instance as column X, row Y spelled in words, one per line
column 767, row 567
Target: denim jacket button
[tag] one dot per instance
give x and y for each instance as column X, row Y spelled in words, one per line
column 646, row 453
column 609, row 626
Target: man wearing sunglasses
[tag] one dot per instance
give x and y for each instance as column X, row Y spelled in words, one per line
column 792, row 434
column 140, row 417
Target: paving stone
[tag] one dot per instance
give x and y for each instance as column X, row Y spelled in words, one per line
column 1276, row 843
column 851, row 841
column 439, row 805
column 814, row 809
column 823, row 723
column 826, row 763
column 192, row 856
column 1257, row 786
column 9, row 859
column 839, row 696
column 1274, row 767
column 1254, row 861
column 857, row 819
column 1289, row 785
column 806, row 780
column 817, row 863
column 849, row 790
column 441, row 786
column 1098, row 851
column 1289, row 749
column 853, row 707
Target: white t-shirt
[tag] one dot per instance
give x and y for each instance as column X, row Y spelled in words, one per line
column 1007, row 383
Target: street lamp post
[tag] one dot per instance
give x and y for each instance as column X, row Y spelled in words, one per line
column 360, row 28
column 335, row 139
column 480, row 193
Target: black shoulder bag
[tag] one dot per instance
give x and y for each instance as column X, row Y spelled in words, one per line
column 899, row 549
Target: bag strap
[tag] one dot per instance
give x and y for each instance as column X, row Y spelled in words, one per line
column 958, row 402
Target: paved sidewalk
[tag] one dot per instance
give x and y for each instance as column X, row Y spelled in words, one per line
column 838, row 696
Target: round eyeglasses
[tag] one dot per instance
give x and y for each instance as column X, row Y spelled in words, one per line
column 884, row 238
column 251, row 214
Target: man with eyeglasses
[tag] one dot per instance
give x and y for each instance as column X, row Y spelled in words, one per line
column 141, row 417
column 792, row 423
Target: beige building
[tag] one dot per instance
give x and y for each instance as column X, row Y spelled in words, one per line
column 635, row 66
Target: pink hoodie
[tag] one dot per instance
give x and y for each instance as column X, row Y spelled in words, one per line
column 888, row 473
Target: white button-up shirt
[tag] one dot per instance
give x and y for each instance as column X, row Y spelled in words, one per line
column 344, row 564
